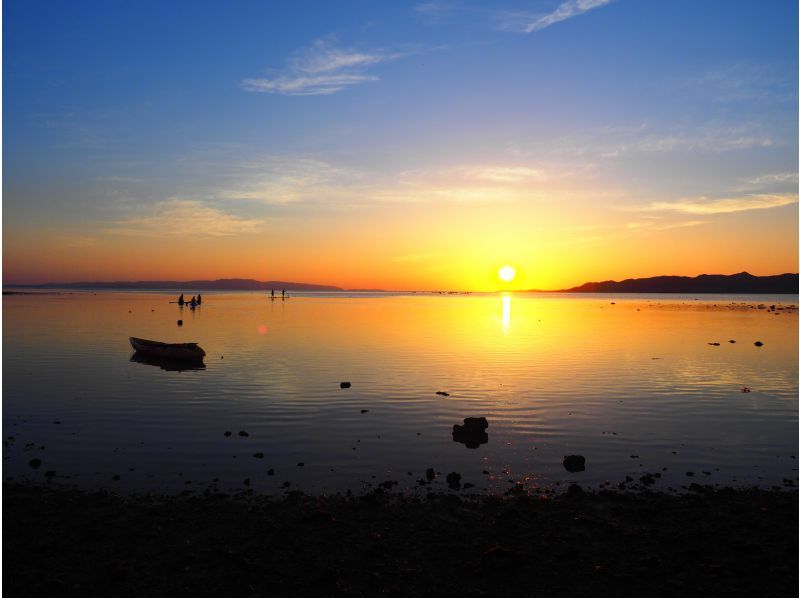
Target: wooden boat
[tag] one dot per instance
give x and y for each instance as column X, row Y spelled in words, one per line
column 173, row 351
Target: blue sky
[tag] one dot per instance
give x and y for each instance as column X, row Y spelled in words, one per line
column 259, row 116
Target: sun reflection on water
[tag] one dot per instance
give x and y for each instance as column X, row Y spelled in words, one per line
column 506, row 299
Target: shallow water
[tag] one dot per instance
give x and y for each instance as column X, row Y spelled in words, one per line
column 629, row 382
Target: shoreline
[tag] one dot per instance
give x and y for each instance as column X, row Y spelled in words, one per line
column 62, row 541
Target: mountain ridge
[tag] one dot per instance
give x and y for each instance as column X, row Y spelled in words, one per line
column 743, row 282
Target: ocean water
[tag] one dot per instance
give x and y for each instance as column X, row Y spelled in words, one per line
column 629, row 382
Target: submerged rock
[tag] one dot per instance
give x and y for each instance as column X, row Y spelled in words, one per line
column 35, row 463
column 344, row 385
column 574, row 463
column 758, row 344
column 442, row 393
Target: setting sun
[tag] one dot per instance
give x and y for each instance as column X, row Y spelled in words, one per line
column 506, row 273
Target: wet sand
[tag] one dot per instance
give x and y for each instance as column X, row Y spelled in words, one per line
column 65, row 542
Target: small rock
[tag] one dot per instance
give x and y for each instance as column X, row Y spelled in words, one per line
column 364, row 410
column 228, row 433
column 758, row 344
column 115, row 477
column 574, row 463
column 246, row 481
column 258, row 455
column 344, row 385
column 301, row 464
column 35, row 463
column 243, row 433
column 442, row 393
column 690, row 473
column 270, row 472
column 50, row 473
column 454, row 480
column 180, row 322
column 430, row 474
column 731, row 341
column 714, row 344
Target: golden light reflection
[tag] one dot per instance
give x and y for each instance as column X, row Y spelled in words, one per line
column 506, row 299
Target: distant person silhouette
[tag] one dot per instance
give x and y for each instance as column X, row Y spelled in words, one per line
column 180, row 300
column 199, row 299
column 193, row 302
column 272, row 294
column 283, row 294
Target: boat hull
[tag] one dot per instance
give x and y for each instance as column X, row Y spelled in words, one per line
column 171, row 351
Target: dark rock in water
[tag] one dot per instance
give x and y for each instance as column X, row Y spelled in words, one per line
column 270, row 472
column 301, row 464
column 246, row 481
column 628, row 478
column 758, row 344
column 454, row 480
column 647, row 479
column 344, row 385
column 731, row 341
column 442, row 393
column 476, row 423
column 573, row 463
column 243, row 433
column 228, row 433
column 180, row 322
column 258, row 455
column 473, row 433
column 575, row 489
column 364, row 410
column 50, row 473
column 35, row 463
column 115, row 477
column 714, row 344
column 689, row 473
column 430, row 474
column 467, row 485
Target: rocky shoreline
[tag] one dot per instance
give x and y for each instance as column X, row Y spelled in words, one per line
column 66, row 542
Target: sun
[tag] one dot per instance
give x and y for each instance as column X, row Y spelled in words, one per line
column 506, row 273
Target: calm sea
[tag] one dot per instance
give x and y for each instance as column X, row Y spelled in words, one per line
column 631, row 383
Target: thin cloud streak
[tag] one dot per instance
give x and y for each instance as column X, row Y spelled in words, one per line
column 702, row 205
column 525, row 22
column 567, row 10
column 321, row 69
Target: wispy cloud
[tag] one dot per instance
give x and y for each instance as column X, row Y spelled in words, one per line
column 614, row 142
column 321, row 69
column 528, row 23
column 183, row 217
column 656, row 224
column 703, row 205
column 433, row 11
column 416, row 257
column 293, row 180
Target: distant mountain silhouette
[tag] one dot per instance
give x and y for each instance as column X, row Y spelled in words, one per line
column 224, row 284
column 743, row 282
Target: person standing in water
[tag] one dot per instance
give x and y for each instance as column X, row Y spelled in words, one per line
column 283, row 294
column 180, row 300
column 199, row 299
column 272, row 294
